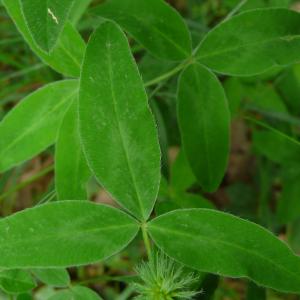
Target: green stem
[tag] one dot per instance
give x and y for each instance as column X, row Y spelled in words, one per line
column 105, row 278
column 23, row 72
column 8, row 41
column 146, row 240
column 170, row 73
column 25, row 183
column 236, row 9
column 266, row 126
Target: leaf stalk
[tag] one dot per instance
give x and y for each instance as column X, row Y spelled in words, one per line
column 146, row 240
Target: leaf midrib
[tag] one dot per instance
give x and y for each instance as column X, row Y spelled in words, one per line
column 177, row 46
column 119, row 127
column 223, row 51
column 68, row 53
column 35, row 125
column 66, row 236
column 16, row 280
column 144, row 23
column 202, row 119
column 77, row 154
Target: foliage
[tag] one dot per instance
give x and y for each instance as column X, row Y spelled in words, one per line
column 120, row 87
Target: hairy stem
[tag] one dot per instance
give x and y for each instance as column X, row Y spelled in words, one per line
column 146, row 240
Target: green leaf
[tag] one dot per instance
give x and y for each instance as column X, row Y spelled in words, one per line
column 182, row 176
column 62, row 295
column 76, row 293
column 154, row 24
column 264, row 99
column 151, row 67
column 78, row 10
column 65, row 57
column 45, row 20
column 25, row 296
column 80, row 292
column 220, row 243
column 188, row 200
column 252, row 42
column 44, row 292
column 165, row 206
column 265, row 141
column 162, row 135
column 289, row 88
column 71, row 170
column 235, row 93
column 182, row 200
column 63, row 234
column 118, row 131
column 53, row 277
column 287, row 150
column 16, row 281
column 294, row 235
column 33, row 124
column 204, row 117
column 288, row 209
column 231, row 4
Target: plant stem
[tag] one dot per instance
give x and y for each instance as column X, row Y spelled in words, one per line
column 146, row 239
column 23, row 72
column 10, row 41
column 170, row 73
column 266, row 126
column 236, row 9
column 25, row 183
column 105, row 278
